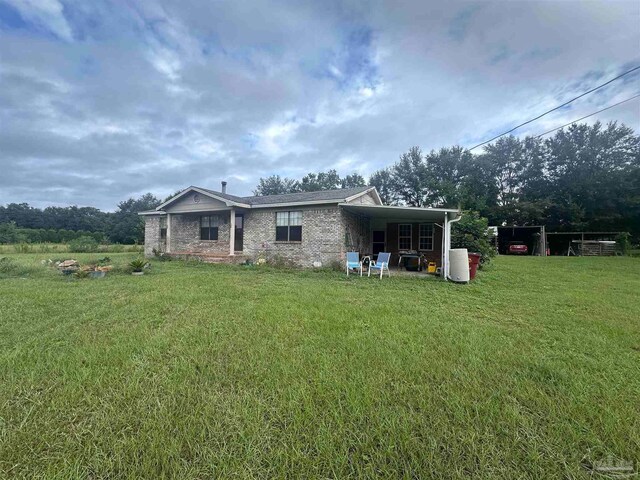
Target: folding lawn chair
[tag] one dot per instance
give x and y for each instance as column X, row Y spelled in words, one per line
column 382, row 264
column 353, row 261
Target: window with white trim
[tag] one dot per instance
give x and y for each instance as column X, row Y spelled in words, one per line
column 289, row 226
column 209, row 227
column 404, row 236
column 425, row 241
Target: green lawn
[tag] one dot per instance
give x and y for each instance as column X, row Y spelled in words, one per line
column 200, row 371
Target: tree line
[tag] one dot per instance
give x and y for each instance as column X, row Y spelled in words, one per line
column 581, row 178
column 312, row 182
column 21, row 222
column 584, row 177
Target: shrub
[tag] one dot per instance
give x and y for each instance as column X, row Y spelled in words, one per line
column 9, row 233
column 23, row 247
column 138, row 264
column 160, row 255
column 81, row 274
column 7, row 265
column 472, row 233
column 11, row 268
column 279, row 261
column 624, row 243
column 84, row 244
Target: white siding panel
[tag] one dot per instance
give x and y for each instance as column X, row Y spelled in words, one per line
column 187, row 204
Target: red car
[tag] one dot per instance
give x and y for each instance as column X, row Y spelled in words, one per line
column 517, row 248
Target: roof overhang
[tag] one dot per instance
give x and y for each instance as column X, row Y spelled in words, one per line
column 417, row 214
column 152, row 212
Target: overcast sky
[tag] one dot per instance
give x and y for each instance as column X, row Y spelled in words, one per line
column 100, row 101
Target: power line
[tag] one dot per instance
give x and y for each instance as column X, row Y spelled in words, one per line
column 590, row 115
column 558, row 107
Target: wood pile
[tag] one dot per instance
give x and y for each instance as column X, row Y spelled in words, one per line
column 592, row 248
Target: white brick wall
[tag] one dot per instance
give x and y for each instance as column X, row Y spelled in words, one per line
column 152, row 235
column 323, row 236
column 185, row 235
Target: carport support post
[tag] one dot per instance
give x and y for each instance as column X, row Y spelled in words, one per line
column 232, row 232
column 446, row 233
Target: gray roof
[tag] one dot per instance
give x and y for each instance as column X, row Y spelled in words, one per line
column 233, row 198
column 338, row 196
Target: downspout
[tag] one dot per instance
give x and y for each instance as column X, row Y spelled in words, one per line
column 443, row 248
column 448, row 241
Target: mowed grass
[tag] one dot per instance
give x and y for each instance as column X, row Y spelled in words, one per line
column 205, row 371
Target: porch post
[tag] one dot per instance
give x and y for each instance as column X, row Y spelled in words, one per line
column 168, row 239
column 446, row 233
column 232, row 232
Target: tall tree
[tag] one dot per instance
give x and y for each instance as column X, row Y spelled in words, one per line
column 313, row 182
column 591, row 172
column 353, row 180
column 384, row 183
column 445, row 170
column 410, row 178
column 126, row 225
column 276, row 185
column 506, row 156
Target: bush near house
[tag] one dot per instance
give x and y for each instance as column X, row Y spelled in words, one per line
column 472, row 233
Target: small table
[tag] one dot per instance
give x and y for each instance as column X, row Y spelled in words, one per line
column 405, row 256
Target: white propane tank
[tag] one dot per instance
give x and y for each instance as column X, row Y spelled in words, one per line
column 459, row 265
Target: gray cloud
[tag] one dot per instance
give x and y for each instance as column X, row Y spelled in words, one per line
column 101, row 101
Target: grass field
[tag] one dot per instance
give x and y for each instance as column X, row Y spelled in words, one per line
column 201, row 371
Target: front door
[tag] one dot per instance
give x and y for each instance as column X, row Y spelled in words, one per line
column 378, row 237
column 239, row 232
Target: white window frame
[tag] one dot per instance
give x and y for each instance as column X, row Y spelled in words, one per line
column 217, row 219
column 289, row 224
column 420, row 237
column 410, row 236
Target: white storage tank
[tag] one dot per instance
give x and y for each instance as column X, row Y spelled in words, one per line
column 459, row 265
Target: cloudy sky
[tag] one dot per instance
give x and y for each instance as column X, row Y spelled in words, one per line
column 100, row 101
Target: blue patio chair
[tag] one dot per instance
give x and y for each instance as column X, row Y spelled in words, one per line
column 382, row 264
column 353, row 261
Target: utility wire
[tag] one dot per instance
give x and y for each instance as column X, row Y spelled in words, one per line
column 558, row 107
column 590, row 115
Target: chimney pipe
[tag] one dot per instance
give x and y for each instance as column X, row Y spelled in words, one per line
column 224, row 187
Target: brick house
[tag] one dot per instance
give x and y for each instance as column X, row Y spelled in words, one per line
column 306, row 228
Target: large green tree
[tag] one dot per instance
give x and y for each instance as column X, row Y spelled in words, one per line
column 313, row 182
column 410, row 178
column 384, row 182
column 126, row 225
column 276, row 185
column 592, row 173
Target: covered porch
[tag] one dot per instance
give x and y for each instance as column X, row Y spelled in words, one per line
column 409, row 234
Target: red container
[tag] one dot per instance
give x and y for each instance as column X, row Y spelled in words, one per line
column 474, row 261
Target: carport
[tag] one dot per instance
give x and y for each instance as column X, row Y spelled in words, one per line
column 531, row 235
column 398, row 230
